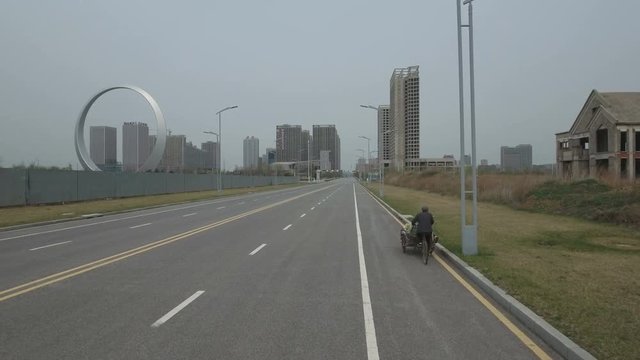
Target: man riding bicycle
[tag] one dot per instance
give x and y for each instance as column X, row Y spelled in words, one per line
column 424, row 219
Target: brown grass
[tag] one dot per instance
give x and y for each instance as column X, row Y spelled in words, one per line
column 579, row 276
column 607, row 200
column 508, row 189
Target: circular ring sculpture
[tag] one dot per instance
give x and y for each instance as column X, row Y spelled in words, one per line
column 158, row 150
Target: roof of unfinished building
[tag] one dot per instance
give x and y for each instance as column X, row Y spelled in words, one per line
column 625, row 106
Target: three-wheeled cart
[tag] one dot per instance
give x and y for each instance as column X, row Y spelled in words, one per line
column 410, row 239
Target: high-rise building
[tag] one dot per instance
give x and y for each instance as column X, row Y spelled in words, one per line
column 251, row 151
column 181, row 155
column 103, row 146
column 517, row 158
column 210, row 149
column 135, row 145
column 404, row 117
column 383, row 136
column 270, row 154
column 305, row 145
column 325, row 138
column 288, row 140
column 173, row 158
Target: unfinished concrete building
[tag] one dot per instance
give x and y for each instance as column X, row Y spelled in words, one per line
column 404, row 118
column 604, row 140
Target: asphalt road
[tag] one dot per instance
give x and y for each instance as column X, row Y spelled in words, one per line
column 290, row 274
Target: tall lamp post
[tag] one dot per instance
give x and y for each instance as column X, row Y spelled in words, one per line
column 213, row 160
column 368, row 157
column 308, row 161
column 469, row 231
column 382, row 179
column 376, row 151
column 219, row 113
column 380, row 154
column 275, row 162
column 362, row 159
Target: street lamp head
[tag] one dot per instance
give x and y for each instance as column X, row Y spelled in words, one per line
column 227, row 108
column 369, row 107
column 465, row 2
column 364, row 137
column 210, row 132
column 389, row 131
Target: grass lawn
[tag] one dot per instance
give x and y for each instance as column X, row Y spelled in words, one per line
column 582, row 277
column 30, row 214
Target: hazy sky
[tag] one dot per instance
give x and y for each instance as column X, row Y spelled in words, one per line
column 305, row 62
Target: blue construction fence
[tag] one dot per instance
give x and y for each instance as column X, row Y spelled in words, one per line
column 32, row 187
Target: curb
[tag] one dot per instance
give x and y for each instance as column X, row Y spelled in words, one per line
column 550, row 335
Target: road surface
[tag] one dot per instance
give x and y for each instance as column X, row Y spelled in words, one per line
column 314, row 272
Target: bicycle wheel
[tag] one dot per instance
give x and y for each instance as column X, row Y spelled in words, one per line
column 425, row 252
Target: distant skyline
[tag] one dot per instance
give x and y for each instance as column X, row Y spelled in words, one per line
column 305, row 63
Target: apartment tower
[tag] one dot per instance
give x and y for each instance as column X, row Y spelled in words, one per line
column 135, row 145
column 404, row 118
column 103, row 143
column 288, row 141
column 383, row 135
column 517, row 158
column 326, row 139
column 251, row 152
column 212, row 155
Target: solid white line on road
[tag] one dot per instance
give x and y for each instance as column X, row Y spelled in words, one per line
column 46, row 246
column 241, row 203
column 369, row 326
column 303, row 215
column 221, row 207
column 175, row 310
column 319, row 203
column 255, row 200
column 313, row 208
column 287, row 227
column 187, row 215
column 139, row 226
column 257, row 249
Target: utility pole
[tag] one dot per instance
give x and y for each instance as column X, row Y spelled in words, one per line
column 469, row 231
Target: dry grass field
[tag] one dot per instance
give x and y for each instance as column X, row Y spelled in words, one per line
column 606, row 201
column 580, row 276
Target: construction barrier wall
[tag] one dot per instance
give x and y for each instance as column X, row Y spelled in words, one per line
column 32, row 187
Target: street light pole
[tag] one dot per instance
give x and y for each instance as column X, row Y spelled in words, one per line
column 380, row 145
column 362, row 159
column 368, row 156
column 376, row 151
column 469, row 232
column 275, row 162
column 472, row 99
column 213, row 160
column 308, row 160
column 219, row 113
column 382, row 180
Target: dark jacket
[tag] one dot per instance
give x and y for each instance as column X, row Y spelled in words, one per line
column 424, row 220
